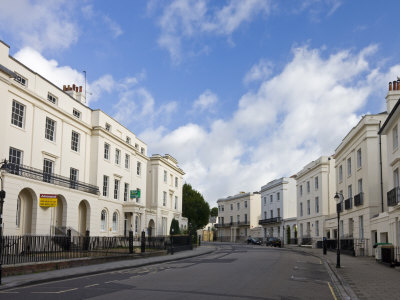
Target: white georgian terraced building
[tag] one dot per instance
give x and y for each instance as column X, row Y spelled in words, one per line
column 237, row 216
column 315, row 187
column 56, row 145
column 278, row 208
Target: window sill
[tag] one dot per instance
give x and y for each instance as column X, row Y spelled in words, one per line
column 17, row 127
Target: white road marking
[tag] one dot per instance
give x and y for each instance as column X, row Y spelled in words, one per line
column 91, row 285
column 59, row 292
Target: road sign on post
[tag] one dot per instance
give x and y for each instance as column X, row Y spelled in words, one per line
column 135, row 194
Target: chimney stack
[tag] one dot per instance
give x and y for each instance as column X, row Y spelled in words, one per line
column 75, row 92
column 393, row 94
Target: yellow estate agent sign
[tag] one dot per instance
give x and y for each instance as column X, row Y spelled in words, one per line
column 47, row 200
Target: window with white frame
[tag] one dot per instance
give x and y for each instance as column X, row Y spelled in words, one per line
column 73, row 177
column 245, row 218
column 128, row 140
column 136, row 146
column 108, row 127
column 301, row 190
column 106, row 151
column 176, row 202
column 308, row 187
column 271, row 213
column 140, row 193
column 50, row 131
column 20, row 79
column 142, row 150
column 138, row 168
column 238, row 218
column 395, row 136
column 51, row 98
column 18, row 114
column 301, row 209
column 116, row 189
column 117, row 156
column 126, row 191
column 316, row 183
column 265, row 215
column 127, row 160
column 165, row 176
column 271, row 198
column 231, row 206
column 238, row 205
column 48, row 167
column 75, row 137
column 317, row 228
column 360, row 186
column 359, row 158
column 308, row 207
column 278, row 196
column 361, row 227
column 15, row 156
column 396, row 178
column 231, row 219
column 76, row 113
column 350, row 191
column 115, row 222
column 164, row 199
column 265, row 200
column 103, row 220
column 316, row 205
column 245, row 204
column 349, row 166
column 278, row 212
column 222, row 207
column 105, row 185
column 340, row 173
column 176, row 181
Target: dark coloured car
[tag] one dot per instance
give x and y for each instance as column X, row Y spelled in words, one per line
column 273, row 242
column 254, row 241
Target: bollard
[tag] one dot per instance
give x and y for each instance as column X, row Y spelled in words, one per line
column 143, row 242
column 199, row 240
column 172, row 244
column 324, row 246
column 68, row 246
column 130, row 241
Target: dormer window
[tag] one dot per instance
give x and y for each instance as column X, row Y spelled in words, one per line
column 76, row 113
column 52, row 98
column 21, row 80
column 128, row 140
column 136, row 146
column 108, row 127
column 142, row 150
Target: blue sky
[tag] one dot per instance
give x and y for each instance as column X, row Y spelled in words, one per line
column 240, row 92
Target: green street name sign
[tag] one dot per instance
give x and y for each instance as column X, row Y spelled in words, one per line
column 135, row 194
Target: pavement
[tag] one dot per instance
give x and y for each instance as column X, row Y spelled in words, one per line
column 359, row 277
column 36, row 278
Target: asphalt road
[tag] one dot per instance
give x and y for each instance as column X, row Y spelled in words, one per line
column 231, row 272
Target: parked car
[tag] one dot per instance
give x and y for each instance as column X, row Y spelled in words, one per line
column 273, row 242
column 254, row 241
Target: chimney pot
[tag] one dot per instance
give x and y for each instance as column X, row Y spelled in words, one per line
column 80, row 89
column 394, row 85
column 390, row 86
column 73, row 87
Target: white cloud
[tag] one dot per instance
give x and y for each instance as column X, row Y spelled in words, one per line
column 260, row 71
column 114, row 27
column 41, row 25
column 293, row 118
column 90, row 13
column 182, row 20
column 206, row 101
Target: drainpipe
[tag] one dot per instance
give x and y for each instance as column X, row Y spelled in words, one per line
column 380, row 165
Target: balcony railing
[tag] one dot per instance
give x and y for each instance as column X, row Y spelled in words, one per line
column 359, row 199
column 40, row 175
column 223, row 225
column 393, row 196
column 270, row 220
column 241, row 223
column 348, row 203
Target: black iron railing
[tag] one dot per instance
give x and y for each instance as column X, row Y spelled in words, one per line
column 393, row 196
column 40, row 175
column 359, row 199
column 269, row 221
column 28, row 249
column 348, row 203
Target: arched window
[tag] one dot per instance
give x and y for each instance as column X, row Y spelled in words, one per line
column 103, row 220
column 18, row 213
column 115, row 222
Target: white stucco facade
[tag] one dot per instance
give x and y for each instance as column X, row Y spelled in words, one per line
column 358, row 179
column 278, row 206
column 316, row 186
column 55, row 144
column 237, row 215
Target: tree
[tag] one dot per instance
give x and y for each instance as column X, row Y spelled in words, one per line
column 175, row 226
column 214, row 212
column 194, row 207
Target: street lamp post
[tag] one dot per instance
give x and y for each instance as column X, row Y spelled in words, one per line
column 339, row 200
